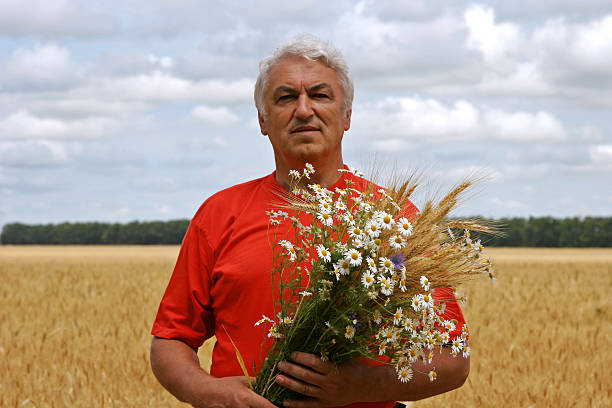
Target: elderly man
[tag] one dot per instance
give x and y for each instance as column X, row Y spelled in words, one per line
column 221, row 282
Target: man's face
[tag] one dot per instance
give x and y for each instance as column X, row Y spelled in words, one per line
column 305, row 117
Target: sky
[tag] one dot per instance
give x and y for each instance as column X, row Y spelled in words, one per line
column 139, row 110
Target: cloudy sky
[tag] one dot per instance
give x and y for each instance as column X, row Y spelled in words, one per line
column 139, row 110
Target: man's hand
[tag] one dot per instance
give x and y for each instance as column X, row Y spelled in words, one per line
column 326, row 385
column 229, row 392
column 177, row 368
column 354, row 381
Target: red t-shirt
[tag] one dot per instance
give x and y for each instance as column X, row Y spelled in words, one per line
column 222, row 276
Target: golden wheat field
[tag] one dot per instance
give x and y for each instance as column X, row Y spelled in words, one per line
column 75, row 321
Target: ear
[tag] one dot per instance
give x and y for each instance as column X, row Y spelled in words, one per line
column 262, row 124
column 347, row 120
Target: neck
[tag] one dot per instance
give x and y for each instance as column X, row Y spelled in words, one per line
column 326, row 172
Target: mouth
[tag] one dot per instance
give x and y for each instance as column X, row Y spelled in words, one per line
column 305, row 128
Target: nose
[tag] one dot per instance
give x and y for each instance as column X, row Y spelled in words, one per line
column 303, row 109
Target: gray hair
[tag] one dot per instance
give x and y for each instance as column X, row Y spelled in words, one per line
column 313, row 49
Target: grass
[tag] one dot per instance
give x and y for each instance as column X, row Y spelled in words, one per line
column 75, row 322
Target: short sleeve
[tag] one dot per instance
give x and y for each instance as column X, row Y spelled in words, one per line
column 185, row 312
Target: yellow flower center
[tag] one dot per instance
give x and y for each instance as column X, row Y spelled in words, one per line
column 377, row 241
column 387, row 219
column 325, row 216
column 355, row 255
column 398, row 240
column 387, row 263
column 356, row 231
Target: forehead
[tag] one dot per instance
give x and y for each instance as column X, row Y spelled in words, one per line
column 297, row 71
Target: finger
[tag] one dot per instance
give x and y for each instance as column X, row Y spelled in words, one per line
column 305, row 403
column 304, row 374
column 303, row 388
column 312, row 361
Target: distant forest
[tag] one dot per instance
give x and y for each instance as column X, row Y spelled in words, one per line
column 525, row 232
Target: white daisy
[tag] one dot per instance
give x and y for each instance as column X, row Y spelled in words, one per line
column 372, row 228
column 404, row 373
column 294, row 174
column 425, row 283
column 432, row 375
column 350, row 332
column 377, row 317
column 386, row 263
column 367, row 279
column 263, row 319
column 385, row 219
column 386, row 285
column 397, row 242
column 371, row 264
column 397, row 316
column 354, row 257
column 325, row 218
column 404, row 227
column 323, row 253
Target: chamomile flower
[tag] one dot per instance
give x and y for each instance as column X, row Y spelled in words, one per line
column 355, row 232
column 290, row 249
column 344, row 266
column 367, row 279
column 404, row 227
column 416, row 303
column 349, row 332
column 306, row 293
column 385, row 219
column 397, row 316
column 385, row 263
column 404, row 373
column 372, row 228
column 449, row 325
column 402, row 285
column 466, row 351
column 371, row 264
column 397, row 242
column 425, row 283
column 354, row 257
column 427, row 301
column 377, row 317
column 386, row 285
column 325, row 218
column 324, row 206
column 432, row 375
column 294, row 174
column 309, row 168
column 323, row 253
column 263, row 319
column 382, row 349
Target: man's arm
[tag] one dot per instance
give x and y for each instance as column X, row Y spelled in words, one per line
column 357, row 382
column 177, row 367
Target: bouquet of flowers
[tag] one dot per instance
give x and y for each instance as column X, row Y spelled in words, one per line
column 356, row 278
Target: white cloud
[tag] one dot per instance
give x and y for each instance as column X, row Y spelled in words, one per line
column 220, row 116
column 601, row 154
column 45, row 66
column 23, row 125
column 55, row 17
column 498, row 43
column 415, row 118
column 509, row 204
column 35, row 153
column 523, row 126
column 158, row 87
column 575, row 52
column 397, row 120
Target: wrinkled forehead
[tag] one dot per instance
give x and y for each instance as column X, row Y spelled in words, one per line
column 297, row 71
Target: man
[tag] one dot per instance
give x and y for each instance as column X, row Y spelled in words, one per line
column 221, row 283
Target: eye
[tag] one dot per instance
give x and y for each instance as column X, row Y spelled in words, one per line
column 286, row 97
column 320, row 96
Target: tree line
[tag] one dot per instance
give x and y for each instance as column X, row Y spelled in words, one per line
column 528, row 232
